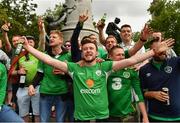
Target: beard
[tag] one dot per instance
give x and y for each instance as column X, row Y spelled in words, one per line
column 89, row 61
column 160, row 58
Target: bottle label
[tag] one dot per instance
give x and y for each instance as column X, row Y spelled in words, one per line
column 18, row 49
column 22, row 79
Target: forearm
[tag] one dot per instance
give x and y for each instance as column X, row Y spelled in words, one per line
column 132, row 60
column 42, row 41
column 149, row 94
column 102, row 37
column 8, row 46
column 47, row 59
column 143, row 110
column 139, row 44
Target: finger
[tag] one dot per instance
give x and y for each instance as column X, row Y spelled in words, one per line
column 170, row 42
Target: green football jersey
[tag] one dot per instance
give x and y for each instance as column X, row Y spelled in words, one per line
column 30, row 67
column 120, row 84
column 90, row 90
column 51, row 83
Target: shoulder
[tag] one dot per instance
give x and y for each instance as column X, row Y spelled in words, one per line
column 145, row 67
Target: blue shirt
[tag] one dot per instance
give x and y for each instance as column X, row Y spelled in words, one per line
column 153, row 79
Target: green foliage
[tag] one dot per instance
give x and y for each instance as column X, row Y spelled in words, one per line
column 54, row 13
column 166, row 19
column 136, row 36
column 21, row 15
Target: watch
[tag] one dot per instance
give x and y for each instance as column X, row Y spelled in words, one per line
column 143, row 40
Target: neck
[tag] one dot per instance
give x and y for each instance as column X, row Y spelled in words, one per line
column 127, row 42
column 90, row 63
column 56, row 50
column 157, row 61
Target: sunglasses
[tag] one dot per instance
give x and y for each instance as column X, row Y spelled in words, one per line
column 67, row 45
column 154, row 39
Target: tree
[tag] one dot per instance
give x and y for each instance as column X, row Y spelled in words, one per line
column 21, row 14
column 166, row 19
column 54, row 16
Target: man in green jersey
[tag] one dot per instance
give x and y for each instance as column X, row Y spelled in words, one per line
column 89, row 80
column 119, row 87
column 6, row 113
column 53, row 85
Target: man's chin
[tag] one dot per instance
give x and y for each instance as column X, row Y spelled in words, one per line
column 89, row 60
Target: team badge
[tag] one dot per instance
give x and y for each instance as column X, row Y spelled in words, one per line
column 168, row 69
column 148, row 74
column 126, row 74
column 98, row 72
column 117, row 84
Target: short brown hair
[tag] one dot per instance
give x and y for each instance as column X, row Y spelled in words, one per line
column 111, row 36
column 114, row 47
column 125, row 25
column 59, row 33
column 88, row 40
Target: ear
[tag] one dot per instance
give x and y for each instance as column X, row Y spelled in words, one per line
column 97, row 53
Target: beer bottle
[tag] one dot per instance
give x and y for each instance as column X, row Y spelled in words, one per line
column 103, row 19
column 166, row 90
column 19, row 47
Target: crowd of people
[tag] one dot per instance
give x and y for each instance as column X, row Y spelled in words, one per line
column 80, row 81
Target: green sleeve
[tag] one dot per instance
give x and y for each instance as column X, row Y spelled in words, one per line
column 3, row 83
column 107, row 65
column 68, row 58
column 71, row 66
column 136, row 86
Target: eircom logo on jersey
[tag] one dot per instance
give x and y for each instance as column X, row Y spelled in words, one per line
column 90, row 84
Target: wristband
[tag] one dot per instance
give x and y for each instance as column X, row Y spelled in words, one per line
column 143, row 40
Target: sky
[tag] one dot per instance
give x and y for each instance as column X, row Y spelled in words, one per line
column 132, row 12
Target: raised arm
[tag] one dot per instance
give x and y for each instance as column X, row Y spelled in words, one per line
column 100, row 27
column 42, row 35
column 145, row 33
column 160, row 48
column 44, row 57
column 75, row 50
column 5, row 29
